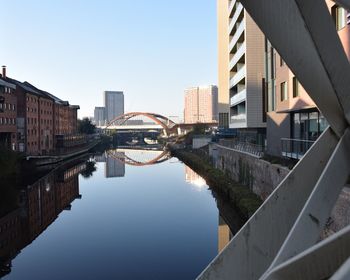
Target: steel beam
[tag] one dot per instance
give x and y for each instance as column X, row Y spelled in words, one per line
column 318, row 262
column 331, row 51
column 311, row 221
column 343, row 273
column 285, row 27
column 254, row 247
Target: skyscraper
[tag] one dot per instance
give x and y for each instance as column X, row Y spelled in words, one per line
column 114, row 104
column 99, row 116
column 201, row 104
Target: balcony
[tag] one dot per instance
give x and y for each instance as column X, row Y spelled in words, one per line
column 295, row 148
column 233, row 20
column 238, row 77
column 238, row 97
column 241, row 118
column 237, row 35
column 237, row 56
column 231, row 7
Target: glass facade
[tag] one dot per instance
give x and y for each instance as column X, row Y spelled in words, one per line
column 308, row 125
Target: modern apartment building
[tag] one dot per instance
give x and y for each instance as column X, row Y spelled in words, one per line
column 114, row 104
column 99, row 116
column 201, row 104
column 241, row 68
column 293, row 120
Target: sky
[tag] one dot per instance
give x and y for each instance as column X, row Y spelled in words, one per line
column 150, row 49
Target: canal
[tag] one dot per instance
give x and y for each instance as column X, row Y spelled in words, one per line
column 122, row 214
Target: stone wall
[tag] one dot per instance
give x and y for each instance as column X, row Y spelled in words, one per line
column 262, row 178
column 259, row 175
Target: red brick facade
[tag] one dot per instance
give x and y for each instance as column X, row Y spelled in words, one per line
column 8, row 115
column 31, row 118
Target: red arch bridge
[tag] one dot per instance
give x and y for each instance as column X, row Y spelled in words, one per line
column 139, row 157
column 149, row 121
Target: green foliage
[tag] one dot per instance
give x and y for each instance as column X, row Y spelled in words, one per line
column 199, row 128
column 240, row 196
column 89, row 170
column 85, row 126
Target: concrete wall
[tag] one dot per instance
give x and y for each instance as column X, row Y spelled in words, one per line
column 259, row 175
column 278, row 126
column 199, row 142
column 255, row 69
column 262, row 178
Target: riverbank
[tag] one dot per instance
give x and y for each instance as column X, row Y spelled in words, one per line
column 239, row 196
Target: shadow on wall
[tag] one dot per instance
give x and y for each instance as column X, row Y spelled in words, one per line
column 278, row 126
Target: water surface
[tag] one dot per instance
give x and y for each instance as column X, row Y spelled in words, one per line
column 131, row 218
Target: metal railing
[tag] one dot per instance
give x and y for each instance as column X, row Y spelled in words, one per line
column 247, row 147
column 295, row 148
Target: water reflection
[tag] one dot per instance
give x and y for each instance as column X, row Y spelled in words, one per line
column 116, row 159
column 39, row 204
column 194, row 179
column 149, row 222
column 224, row 234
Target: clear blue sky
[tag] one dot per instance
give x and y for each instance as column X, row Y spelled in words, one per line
column 76, row 49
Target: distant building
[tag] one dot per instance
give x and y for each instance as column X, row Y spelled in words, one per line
column 201, row 104
column 114, row 104
column 99, row 116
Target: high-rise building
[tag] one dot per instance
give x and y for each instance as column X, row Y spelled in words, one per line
column 99, row 116
column 114, row 104
column 241, row 69
column 223, row 62
column 293, row 119
column 201, row 104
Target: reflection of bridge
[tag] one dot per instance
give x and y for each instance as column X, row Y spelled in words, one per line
column 139, row 157
column 145, row 121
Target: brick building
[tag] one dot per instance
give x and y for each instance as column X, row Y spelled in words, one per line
column 36, row 116
column 8, row 115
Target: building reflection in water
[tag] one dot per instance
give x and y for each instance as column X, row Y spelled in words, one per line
column 39, row 205
column 224, row 234
column 194, row 179
column 114, row 167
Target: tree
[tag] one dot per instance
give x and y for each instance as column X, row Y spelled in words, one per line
column 89, row 170
column 85, row 126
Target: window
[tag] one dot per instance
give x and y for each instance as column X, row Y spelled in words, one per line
column 284, row 91
column 295, row 87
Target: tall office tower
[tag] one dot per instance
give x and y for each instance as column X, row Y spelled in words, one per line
column 201, row 104
column 99, row 116
column 241, row 68
column 114, row 104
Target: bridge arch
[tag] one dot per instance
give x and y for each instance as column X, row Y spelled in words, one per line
column 166, row 123
column 127, row 159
